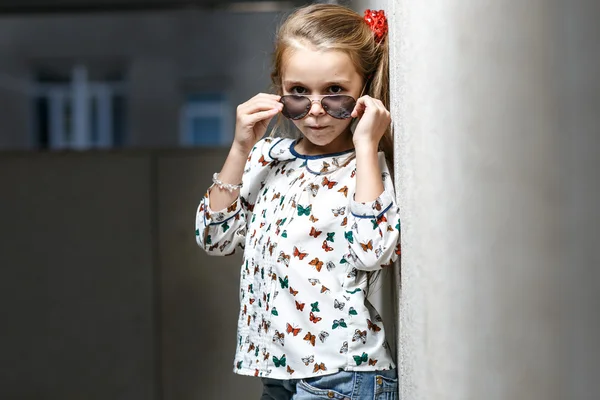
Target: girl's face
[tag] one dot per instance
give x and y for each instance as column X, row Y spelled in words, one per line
column 313, row 73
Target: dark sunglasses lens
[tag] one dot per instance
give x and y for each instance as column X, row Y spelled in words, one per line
column 295, row 107
column 340, row 106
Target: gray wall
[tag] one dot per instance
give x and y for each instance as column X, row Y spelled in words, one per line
column 496, row 117
column 164, row 55
column 104, row 293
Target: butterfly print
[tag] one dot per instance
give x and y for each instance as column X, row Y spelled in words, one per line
column 339, row 323
column 338, row 211
column 349, row 237
column 397, row 251
column 317, row 264
column 372, row 362
column 292, row 330
column 367, row 246
column 284, row 282
column 325, row 167
column 265, row 355
column 344, row 191
column 314, row 307
column 326, row 247
column 299, row 254
column 376, row 222
column 378, row 318
column 361, row 359
column 246, row 204
column 284, row 258
column 352, row 273
column 280, row 362
column 251, row 347
column 314, row 319
column 313, row 219
column 372, row 326
column 352, row 311
column 232, row 207
column 376, row 205
column 279, row 337
column 313, row 281
column 322, row 336
column 328, row 183
column 293, row 292
column 324, row 289
column 304, row 210
column 319, row 367
column 289, row 370
column 353, row 173
column 276, row 196
column 262, row 161
column 339, row 305
column 308, row 360
column 344, row 348
column 330, row 265
column 310, row 338
column 344, row 222
column 272, row 247
column 313, row 189
column 378, row 252
column 299, row 306
column 360, row 335
column 330, row 236
column 314, row 233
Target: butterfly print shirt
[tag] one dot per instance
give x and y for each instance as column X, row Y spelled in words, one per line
column 307, row 249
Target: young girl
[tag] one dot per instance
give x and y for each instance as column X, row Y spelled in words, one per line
column 315, row 216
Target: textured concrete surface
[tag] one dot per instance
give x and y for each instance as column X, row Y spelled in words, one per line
column 496, row 143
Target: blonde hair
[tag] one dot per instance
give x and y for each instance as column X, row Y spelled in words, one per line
column 335, row 27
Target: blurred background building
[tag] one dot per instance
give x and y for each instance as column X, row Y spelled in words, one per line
column 84, row 74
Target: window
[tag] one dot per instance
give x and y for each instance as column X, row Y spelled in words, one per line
column 206, row 120
column 76, row 113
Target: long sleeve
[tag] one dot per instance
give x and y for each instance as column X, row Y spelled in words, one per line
column 220, row 232
column 373, row 239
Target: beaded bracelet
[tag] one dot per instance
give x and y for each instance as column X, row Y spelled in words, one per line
column 224, row 186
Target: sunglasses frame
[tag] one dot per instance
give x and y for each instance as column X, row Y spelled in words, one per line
column 311, row 101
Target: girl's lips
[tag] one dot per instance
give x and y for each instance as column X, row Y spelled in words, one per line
column 317, row 127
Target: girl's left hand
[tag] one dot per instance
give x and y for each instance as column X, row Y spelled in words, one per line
column 374, row 120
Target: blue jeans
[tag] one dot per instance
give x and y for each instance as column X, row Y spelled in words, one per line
column 367, row 385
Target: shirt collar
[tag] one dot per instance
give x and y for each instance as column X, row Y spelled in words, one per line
column 283, row 150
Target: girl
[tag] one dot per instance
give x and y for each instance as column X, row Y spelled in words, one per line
column 315, row 216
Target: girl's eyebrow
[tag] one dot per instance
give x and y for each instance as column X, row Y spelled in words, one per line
column 340, row 82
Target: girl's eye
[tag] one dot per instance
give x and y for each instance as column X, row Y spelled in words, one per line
column 336, row 89
column 297, row 90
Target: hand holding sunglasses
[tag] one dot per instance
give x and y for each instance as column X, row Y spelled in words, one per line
column 374, row 121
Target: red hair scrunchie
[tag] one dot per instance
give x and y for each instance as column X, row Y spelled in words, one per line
column 377, row 22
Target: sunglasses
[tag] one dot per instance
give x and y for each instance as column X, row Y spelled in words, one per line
column 297, row 107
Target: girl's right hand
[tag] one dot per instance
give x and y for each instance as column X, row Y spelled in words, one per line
column 252, row 119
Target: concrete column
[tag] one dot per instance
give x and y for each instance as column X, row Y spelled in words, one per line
column 495, row 107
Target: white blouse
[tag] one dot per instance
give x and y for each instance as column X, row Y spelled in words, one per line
column 307, row 249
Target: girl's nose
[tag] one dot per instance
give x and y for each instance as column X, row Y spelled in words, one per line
column 316, row 108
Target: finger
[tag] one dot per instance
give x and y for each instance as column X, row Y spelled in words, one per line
column 270, row 96
column 359, row 108
column 253, row 119
column 257, row 106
